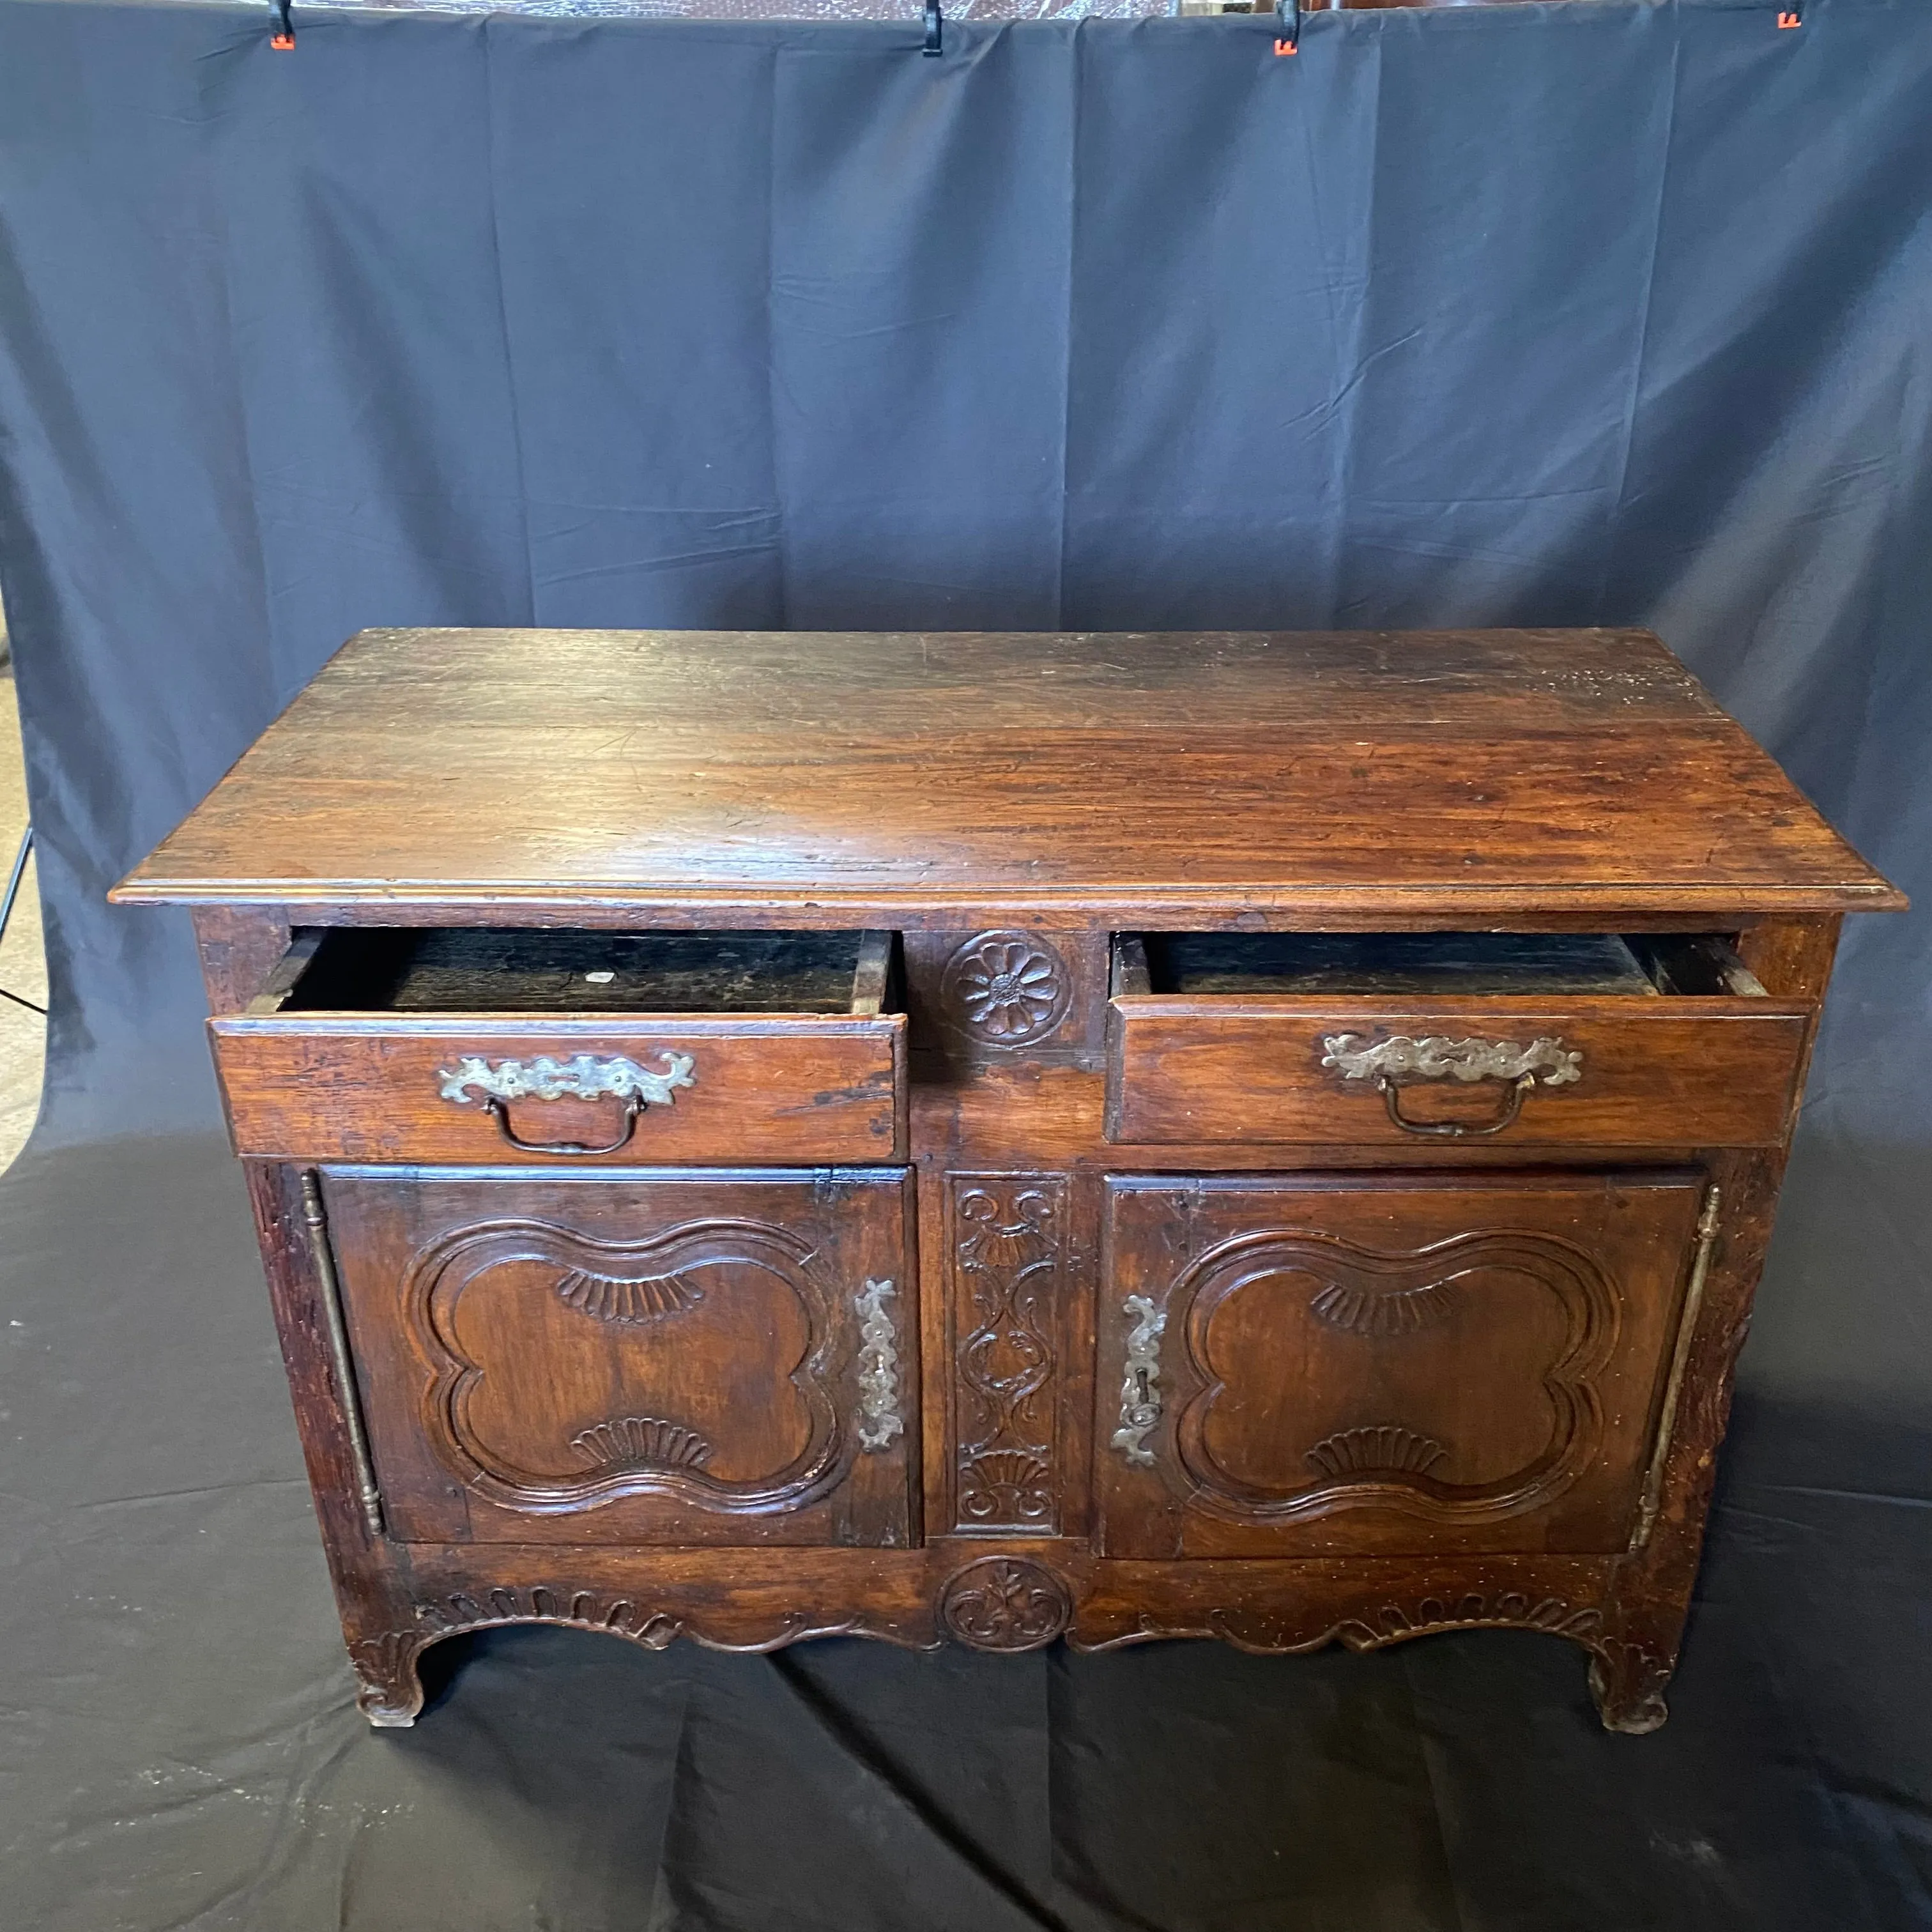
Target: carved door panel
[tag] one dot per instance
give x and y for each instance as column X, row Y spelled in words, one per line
column 697, row 1358
column 1323, row 1365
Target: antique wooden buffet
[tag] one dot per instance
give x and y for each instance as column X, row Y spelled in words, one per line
column 1012, row 1138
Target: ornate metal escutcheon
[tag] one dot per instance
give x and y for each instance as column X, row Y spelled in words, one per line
column 1140, row 1391
column 585, row 1077
column 1393, row 1062
column 879, row 1419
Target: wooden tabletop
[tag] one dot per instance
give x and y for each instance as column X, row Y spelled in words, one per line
column 1344, row 774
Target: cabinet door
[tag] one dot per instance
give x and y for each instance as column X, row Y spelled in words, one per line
column 695, row 1358
column 1395, row 1365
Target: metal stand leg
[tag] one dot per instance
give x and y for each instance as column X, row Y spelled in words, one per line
column 14, row 879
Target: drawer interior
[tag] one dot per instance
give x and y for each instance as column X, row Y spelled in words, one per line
column 1237, row 965
column 492, row 969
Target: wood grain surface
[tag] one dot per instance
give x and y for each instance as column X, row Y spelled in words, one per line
column 1385, row 1366
column 1721, row 1073
column 824, row 774
column 1407, row 1384
column 658, row 1359
column 336, row 1087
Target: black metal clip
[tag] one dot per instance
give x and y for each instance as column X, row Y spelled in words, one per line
column 283, row 37
column 934, row 27
column 1288, row 26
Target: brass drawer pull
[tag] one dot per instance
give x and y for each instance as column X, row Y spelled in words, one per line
column 583, row 1078
column 1392, row 1063
column 1391, row 1095
column 500, row 1114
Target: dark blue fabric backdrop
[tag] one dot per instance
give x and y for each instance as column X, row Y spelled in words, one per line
column 1543, row 315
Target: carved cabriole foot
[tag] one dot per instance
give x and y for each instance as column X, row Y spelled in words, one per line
column 1627, row 1681
column 389, row 1692
column 1627, row 1675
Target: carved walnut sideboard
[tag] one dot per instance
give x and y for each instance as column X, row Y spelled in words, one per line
column 1004, row 1139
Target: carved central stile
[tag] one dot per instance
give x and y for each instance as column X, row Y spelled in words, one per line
column 1008, row 1237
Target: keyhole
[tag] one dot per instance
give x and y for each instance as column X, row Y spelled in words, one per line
column 1140, row 1378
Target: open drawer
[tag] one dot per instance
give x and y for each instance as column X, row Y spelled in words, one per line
column 475, row 1045
column 1428, row 1038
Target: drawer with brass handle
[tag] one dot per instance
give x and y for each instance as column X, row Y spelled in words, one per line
column 1431, row 1039
column 476, row 1046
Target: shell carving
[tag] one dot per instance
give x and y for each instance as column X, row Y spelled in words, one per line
column 1386, row 1450
column 641, row 1442
column 642, row 1298
column 1368, row 1311
column 1006, row 1485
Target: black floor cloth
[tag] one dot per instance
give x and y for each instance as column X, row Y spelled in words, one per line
column 1546, row 315
column 182, row 1747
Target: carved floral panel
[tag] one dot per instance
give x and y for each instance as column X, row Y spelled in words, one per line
column 1373, row 1413
column 1007, row 1234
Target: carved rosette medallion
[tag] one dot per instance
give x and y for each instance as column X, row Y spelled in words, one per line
column 1005, row 989
column 1006, row 1233
column 1005, row 1602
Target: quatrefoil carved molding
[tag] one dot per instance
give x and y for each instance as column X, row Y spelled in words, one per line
column 1385, row 1299
column 441, row 1275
